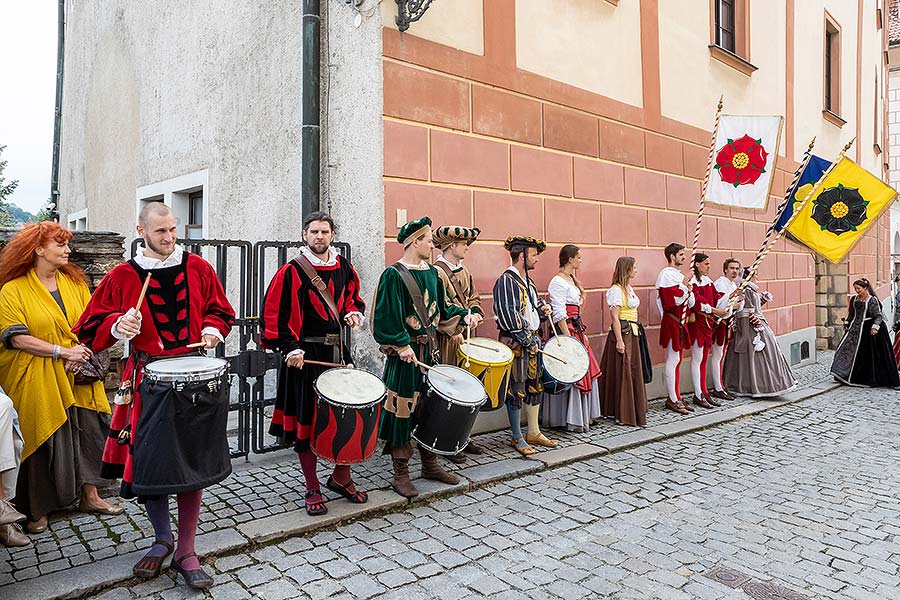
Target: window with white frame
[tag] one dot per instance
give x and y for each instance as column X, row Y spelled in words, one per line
column 186, row 195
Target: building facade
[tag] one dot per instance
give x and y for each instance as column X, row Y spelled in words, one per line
column 577, row 121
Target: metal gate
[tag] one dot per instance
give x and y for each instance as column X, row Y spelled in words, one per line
column 245, row 270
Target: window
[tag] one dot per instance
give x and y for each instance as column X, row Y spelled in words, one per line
column 725, row 24
column 193, row 229
column 77, row 220
column 729, row 41
column 831, row 105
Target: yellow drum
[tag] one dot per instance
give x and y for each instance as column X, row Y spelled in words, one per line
column 491, row 362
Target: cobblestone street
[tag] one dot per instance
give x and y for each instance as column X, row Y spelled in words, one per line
column 798, row 500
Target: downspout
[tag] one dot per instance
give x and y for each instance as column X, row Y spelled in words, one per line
column 310, row 142
column 57, row 118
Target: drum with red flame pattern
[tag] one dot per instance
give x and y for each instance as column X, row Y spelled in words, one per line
column 345, row 422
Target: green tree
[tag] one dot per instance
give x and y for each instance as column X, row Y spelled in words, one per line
column 6, row 190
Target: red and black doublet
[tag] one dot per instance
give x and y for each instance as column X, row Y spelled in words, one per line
column 181, row 301
column 706, row 297
column 672, row 300
column 295, row 317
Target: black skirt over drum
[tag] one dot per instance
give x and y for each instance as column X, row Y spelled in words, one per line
column 182, row 444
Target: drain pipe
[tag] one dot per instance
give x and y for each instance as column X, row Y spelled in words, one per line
column 57, row 118
column 311, row 87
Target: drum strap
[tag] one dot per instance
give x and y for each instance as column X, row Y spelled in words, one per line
column 449, row 273
column 320, row 286
column 418, row 303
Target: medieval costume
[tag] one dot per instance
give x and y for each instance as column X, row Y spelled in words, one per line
column 11, row 445
column 396, row 326
column 64, row 425
column 298, row 319
column 517, row 309
column 185, row 300
column 459, row 285
column 673, row 298
column 578, row 406
column 700, row 328
column 864, row 359
column 754, row 364
column 897, row 343
column 721, row 332
column 622, row 391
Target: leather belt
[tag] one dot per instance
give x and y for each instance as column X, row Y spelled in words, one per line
column 329, row 339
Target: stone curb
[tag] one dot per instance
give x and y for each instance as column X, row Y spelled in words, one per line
column 79, row 581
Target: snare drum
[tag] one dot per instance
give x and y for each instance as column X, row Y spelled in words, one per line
column 449, row 411
column 345, row 422
column 491, row 362
column 180, row 441
column 557, row 376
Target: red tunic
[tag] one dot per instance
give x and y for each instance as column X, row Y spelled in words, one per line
column 294, row 310
column 706, row 296
column 672, row 303
column 181, row 300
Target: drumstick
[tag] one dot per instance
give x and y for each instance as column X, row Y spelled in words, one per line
column 196, row 345
column 438, row 371
column 553, row 356
column 467, row 364
column 477, row 345
column 140, row 301
column 323, row 364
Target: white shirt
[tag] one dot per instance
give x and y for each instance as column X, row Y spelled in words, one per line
column 562, row 292
column 726, row 287
column 149, row 264
column 316, row 261
column 672, row 277
column 450, row 264
column 704, row 281
column 614, row 297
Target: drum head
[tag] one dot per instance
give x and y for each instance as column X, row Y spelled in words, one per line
column 182, row 367
column 349, row 387
column 464, row 388
column 570, row 350
column 494, row 353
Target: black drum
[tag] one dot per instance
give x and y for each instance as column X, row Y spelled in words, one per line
column 180, row 443
column 449, row 409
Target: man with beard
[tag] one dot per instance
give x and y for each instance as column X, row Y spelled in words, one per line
column 673, row 296
column 307, row 304
column 185, row 302
column 519, row 312
column 409, row 303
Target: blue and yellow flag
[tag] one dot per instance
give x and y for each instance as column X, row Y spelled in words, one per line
column 849, row 201
column 811, row 174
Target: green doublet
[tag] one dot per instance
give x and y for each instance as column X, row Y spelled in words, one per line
column 395, row 324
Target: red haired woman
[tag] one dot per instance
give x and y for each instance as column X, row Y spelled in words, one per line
column 64, row 425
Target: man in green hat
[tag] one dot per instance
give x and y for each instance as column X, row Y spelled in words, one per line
column 408, row 341
column 453, row 241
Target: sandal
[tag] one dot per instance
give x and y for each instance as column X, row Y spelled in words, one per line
column 541, row 440
column 197, row 579
column 355, row 497
column 525, row 450
column 315, row 508
column 150, row 566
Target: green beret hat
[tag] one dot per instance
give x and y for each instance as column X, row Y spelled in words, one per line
column 412, row 230
column 444, row 236
column 524, row 241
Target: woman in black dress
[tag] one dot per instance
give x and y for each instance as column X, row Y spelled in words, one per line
column 864, row 356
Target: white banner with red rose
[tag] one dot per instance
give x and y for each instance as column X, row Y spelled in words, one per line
column 744, row 161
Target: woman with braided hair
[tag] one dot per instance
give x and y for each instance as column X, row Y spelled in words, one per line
column 864, row 357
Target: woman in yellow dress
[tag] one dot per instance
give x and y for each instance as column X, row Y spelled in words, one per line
column 64, row 425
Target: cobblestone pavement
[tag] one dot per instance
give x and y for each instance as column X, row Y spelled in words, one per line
column 267, row 485
column 800, row 499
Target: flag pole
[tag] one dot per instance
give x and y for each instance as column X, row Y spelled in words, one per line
column 703, row 188
column 807, row 156
column 797, row 209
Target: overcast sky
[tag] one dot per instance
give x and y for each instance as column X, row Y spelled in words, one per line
column 28, row 30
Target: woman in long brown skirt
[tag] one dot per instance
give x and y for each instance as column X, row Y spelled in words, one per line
column 622, row 392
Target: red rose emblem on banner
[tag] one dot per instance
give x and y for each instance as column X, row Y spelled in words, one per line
column 741, row 161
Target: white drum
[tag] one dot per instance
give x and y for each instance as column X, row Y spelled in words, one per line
column 350, row 387
column 558, row 374
column 185, row 369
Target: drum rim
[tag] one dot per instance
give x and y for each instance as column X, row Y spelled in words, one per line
column 566, row 381
column 210, row 372
column 512, row 356
column 328, row 400
column 455, row 400
column 218, row 362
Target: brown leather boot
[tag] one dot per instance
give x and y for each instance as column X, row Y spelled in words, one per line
column 432, row 469
column 401, row 483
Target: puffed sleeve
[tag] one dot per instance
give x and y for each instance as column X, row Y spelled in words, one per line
column 614, row 296
column 558, row 290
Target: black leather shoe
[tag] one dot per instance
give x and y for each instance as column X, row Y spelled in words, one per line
column 701, row 401
column 712, row 400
